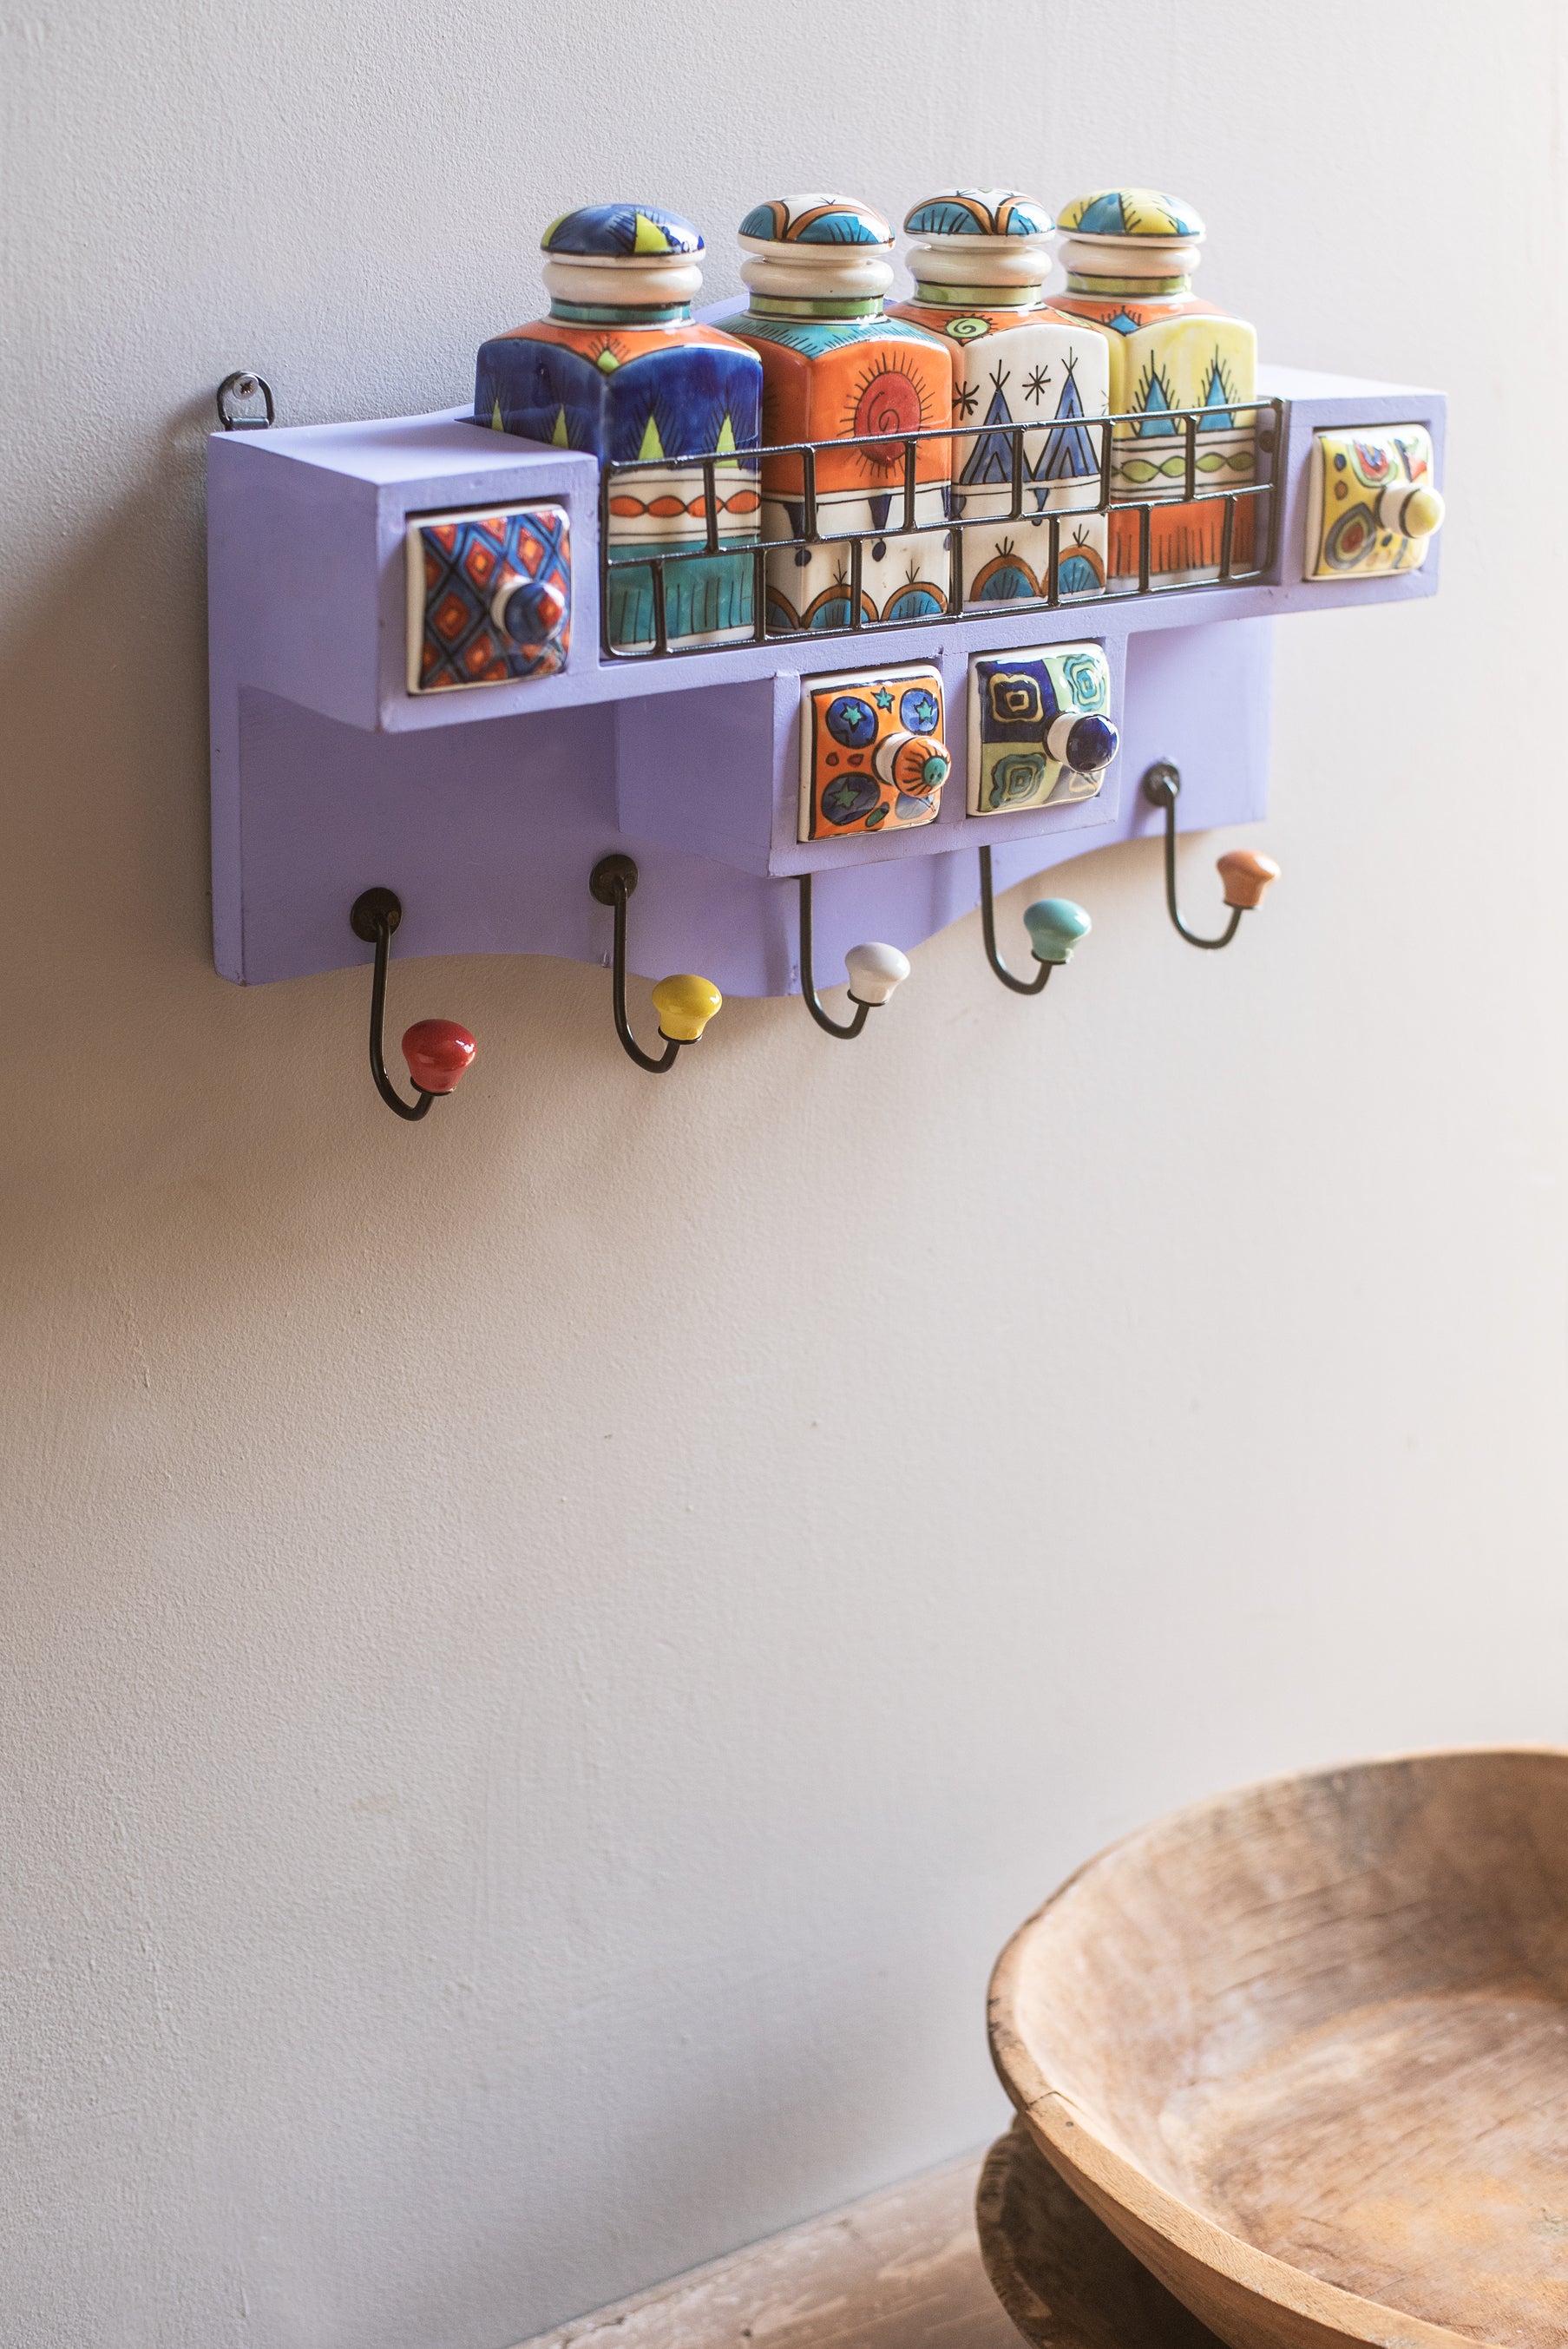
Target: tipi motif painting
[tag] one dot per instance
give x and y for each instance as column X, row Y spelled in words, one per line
column 1128, row 255
column 979, row 268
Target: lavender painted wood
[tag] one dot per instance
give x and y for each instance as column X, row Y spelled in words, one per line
column 486, row 810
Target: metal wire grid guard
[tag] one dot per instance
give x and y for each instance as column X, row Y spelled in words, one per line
column 1268, row 433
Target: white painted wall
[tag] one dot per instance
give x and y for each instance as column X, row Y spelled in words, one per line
column 544, row 1655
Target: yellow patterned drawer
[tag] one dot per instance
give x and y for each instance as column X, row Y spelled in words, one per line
column 1371, row 505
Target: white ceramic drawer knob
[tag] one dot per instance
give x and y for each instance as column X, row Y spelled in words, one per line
column 874, row 971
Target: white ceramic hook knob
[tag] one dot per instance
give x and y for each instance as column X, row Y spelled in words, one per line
column 874, row 971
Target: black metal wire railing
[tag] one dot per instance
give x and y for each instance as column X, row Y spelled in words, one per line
column 635, row 580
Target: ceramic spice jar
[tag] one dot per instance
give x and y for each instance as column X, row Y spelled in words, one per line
column 1129, row 254
column 979, row 264
column 837, row 368
column 621, row 367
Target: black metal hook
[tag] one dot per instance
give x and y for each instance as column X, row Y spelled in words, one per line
column 684, row 1002
column 244, row 386
column 875, row 970
column 1055, row 926
column 988, row 927
column 438, row 1050
column 1245, row 875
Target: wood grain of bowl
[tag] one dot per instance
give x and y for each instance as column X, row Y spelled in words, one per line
column 1305, row 2050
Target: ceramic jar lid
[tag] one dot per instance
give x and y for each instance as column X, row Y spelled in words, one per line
column 811, row 248
column 630, row 256
column 1130, row 232
column 976, row 237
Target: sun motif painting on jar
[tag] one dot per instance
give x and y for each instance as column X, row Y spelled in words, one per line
column 837, row 368
column 980, row 265
column 621, row 367
column 1129, row 254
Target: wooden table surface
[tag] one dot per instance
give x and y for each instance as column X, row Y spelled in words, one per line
column 896, row 2270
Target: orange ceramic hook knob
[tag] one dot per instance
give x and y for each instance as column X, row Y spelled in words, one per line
column 1245, row 876
column 438, row 1053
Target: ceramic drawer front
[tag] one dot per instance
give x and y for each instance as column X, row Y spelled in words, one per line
column 1022, row 707
column 490, row 596
column 1370, row 503
column 873, row 756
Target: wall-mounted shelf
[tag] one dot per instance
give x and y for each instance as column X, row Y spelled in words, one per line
column 485, row 809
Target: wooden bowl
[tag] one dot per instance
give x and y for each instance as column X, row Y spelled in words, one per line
column 1305, row 2050
column 1063, row 2278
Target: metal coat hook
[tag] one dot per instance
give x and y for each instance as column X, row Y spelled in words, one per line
column 874, row 972
column 438, row 1050
column 243, row 386
column 1245, row 875
column 684, row 1003
column 1055, row 926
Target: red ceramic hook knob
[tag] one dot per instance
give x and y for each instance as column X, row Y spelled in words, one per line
column 437, row 1052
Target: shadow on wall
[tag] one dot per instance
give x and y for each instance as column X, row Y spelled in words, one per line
column 188, row 1085
column 157, row 1066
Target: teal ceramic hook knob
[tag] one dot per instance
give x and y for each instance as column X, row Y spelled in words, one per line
column 1055, row 926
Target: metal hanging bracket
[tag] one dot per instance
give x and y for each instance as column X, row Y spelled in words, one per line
column 243, row 386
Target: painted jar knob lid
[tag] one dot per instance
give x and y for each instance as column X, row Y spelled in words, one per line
column 816, row 247
column 814, row 220
column 980, row 236
column 1130, row 232
column 1130, row 212
column 622, row 256
column 621, row 232
column 979, row 212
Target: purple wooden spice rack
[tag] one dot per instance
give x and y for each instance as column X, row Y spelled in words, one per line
column 486, row 809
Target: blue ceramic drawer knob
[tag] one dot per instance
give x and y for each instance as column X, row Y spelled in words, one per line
column 1083, row 744
column 528, row 611
column 1055, row 926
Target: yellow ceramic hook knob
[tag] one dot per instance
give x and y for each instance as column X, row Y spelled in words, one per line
column 1245, row 875
column 684, row 1005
